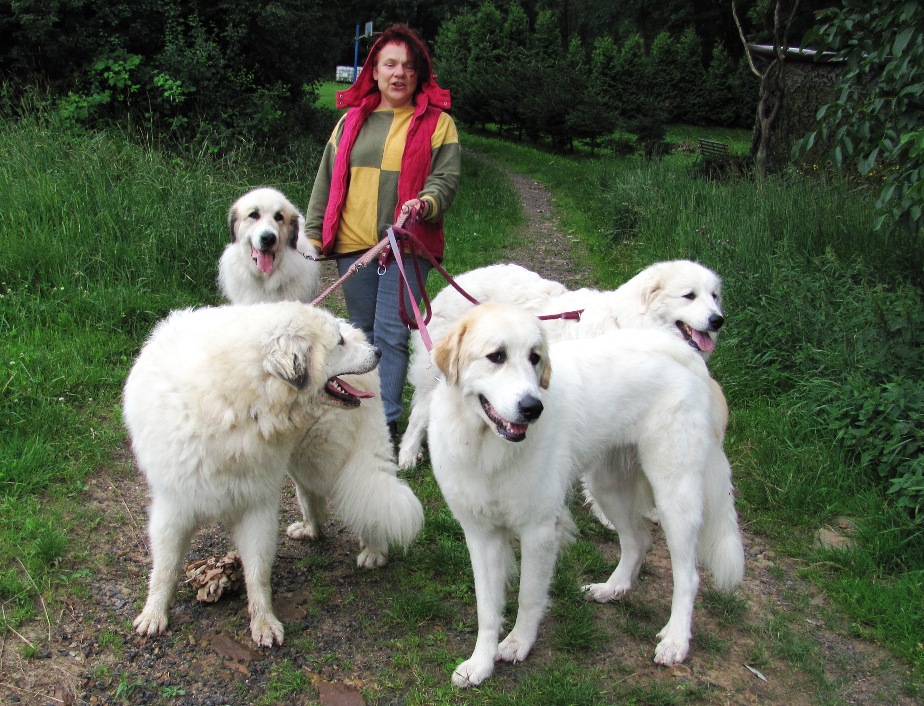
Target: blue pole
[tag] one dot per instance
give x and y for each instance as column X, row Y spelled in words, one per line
column 356, row 55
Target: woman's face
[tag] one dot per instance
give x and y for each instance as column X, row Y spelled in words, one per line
column 396, row 76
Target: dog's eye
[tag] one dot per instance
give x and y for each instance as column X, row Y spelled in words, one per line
column 254, row 215
column 279, row 217
column 534, row 359
column 341, row 342
column 497, row 357
column 690, row 295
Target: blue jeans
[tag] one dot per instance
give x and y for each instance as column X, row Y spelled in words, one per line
column 372, row 304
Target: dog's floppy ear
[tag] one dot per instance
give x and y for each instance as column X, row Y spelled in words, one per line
column 289, row 359
column 545, row 370
column 651, row 286
column 296, row 229
column 232, row 223
column 447, row 351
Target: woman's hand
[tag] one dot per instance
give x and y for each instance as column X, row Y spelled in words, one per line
column 421, row 204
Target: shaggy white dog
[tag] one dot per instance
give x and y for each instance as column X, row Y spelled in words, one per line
column 216, row 403
column 512, row 424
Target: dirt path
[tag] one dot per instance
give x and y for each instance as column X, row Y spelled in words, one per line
column 84, row 652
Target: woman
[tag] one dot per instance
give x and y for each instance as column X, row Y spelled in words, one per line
column 394, row 149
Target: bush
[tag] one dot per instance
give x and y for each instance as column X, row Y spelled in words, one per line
column 849, row 353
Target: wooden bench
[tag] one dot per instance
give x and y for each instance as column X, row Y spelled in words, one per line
column 712, row 150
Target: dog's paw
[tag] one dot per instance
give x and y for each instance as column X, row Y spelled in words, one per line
column 370, row 558
column 670, row 652
column 513, row 650
column 604, row 592
column 266, row 631
column 303, row 530
column 408, row 460
column 471, row 673
column 150, row 622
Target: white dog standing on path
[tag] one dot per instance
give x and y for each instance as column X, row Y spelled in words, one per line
column 215, row 405
column 513, row 423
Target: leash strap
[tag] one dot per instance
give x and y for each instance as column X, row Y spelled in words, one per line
column 367, row 257
column 418, row 317
column 567, row 315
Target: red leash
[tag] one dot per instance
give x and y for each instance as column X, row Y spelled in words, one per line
column 387, row 248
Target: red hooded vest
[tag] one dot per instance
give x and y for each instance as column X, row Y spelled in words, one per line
column 362, row 98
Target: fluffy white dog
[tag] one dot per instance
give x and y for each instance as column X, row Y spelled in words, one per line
column 347, row 454
column 677, row 296
column 512, row 424
column 266, row 258
column 216, row 403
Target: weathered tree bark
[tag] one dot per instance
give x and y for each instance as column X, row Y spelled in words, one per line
column 772, row 91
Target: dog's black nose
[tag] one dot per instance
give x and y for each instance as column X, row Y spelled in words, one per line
column 716, row 321
column 530, row 407
column 378, row 351
column 267, row 240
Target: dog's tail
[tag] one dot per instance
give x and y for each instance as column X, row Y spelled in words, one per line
column 376, row 504
column 720, row 548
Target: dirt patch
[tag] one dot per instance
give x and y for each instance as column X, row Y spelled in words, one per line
column 85, row 652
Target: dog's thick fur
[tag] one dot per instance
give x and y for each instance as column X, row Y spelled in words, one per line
column 512, row 424
column 678, row 296
column 216, row 403
column 266, row 258
column 345, row 448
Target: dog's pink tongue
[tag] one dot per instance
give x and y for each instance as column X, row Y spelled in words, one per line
column 362, row 394
column 264, row 259
column 702, row 340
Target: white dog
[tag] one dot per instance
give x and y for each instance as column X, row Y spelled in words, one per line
column 678, row 296
column 215, row 404
column 266, row 260
column 347, row 453
column 512, row 424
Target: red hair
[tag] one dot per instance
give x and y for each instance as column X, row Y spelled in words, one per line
column 419, row 54
column 365, row 85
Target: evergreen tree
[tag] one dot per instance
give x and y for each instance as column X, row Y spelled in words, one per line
column 719, row 104
column 632, row 77
column 691, row 79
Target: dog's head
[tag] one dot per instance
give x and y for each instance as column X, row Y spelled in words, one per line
column 313, row 348
column 685, row 298
column 263, row 221
column 497, row 356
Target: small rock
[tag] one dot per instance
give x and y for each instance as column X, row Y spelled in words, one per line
column 829, row 539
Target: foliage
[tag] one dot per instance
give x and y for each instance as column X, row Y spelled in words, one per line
column 877, row 122
column 531, row 80
column 180, row 69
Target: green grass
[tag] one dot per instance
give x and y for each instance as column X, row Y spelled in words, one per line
column 118, row 235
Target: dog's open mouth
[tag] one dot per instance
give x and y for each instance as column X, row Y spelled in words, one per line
column 507, row 430
column 345, row 393
column 265, row 259
column 698, row 340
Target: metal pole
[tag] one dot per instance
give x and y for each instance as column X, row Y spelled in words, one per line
column 356, row 54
